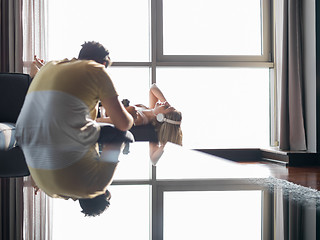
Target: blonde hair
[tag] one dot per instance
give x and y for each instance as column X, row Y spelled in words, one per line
column 168, row 132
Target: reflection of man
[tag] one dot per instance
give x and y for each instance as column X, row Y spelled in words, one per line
column 56, row 127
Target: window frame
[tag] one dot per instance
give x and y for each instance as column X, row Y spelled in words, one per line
column 264, row 60
column 159, row 186
column 158, row 59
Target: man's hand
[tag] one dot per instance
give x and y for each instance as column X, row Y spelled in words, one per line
column 119, row 116
column 133, row 111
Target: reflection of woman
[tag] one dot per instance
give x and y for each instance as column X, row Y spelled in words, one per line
column 165, row 118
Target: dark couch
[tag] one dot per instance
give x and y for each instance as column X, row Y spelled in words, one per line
column 13, row 89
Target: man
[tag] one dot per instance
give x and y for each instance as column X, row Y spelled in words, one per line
column 57, row 130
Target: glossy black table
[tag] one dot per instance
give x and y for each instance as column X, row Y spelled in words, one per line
column 192, row 195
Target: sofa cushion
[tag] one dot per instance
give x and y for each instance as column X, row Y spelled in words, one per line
column 13, row 89
column 7, row 136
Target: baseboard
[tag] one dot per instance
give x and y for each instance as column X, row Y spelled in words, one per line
column 238, row 155
column 288, row 158
column 291, row 158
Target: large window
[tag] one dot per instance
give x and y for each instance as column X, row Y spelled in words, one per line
column 212, row 59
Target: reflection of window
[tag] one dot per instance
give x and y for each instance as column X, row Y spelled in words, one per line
column 188, row 192
column 127, row 217
column 211, row 57
column 212, row 215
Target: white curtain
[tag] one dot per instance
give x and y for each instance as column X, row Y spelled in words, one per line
column 288, row 64
column 34, row 31
column 37, row 207
column 37, row 213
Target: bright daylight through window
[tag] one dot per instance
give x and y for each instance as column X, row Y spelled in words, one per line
column 207, row 57
column 211, row 27
column 212, row 60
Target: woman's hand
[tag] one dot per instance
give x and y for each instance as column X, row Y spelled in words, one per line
column 119, row 116
column 167, row 104
column 162, row 107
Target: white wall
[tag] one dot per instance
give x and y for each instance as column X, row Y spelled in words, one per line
column 309, row 70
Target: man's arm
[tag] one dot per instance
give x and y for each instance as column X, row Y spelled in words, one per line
column 130, row 109
column 119, row 116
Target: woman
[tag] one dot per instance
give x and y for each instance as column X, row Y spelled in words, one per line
column 165, row 118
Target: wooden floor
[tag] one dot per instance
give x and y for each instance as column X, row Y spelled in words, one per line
column 304, row 176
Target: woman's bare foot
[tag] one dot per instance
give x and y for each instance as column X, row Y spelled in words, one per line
column 39, row 62
column 35, row 66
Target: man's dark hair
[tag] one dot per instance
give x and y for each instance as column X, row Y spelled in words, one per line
column 93, row 207
column 94, row 51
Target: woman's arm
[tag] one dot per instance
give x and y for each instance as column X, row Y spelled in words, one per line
column 155, row 95
column 155, row 152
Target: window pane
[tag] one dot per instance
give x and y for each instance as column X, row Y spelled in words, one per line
column 212, row 215
column 131, row 83
column 221, row 107
column 121, row 26
column 211, row 27
column 129, row 210
column 134, row 162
